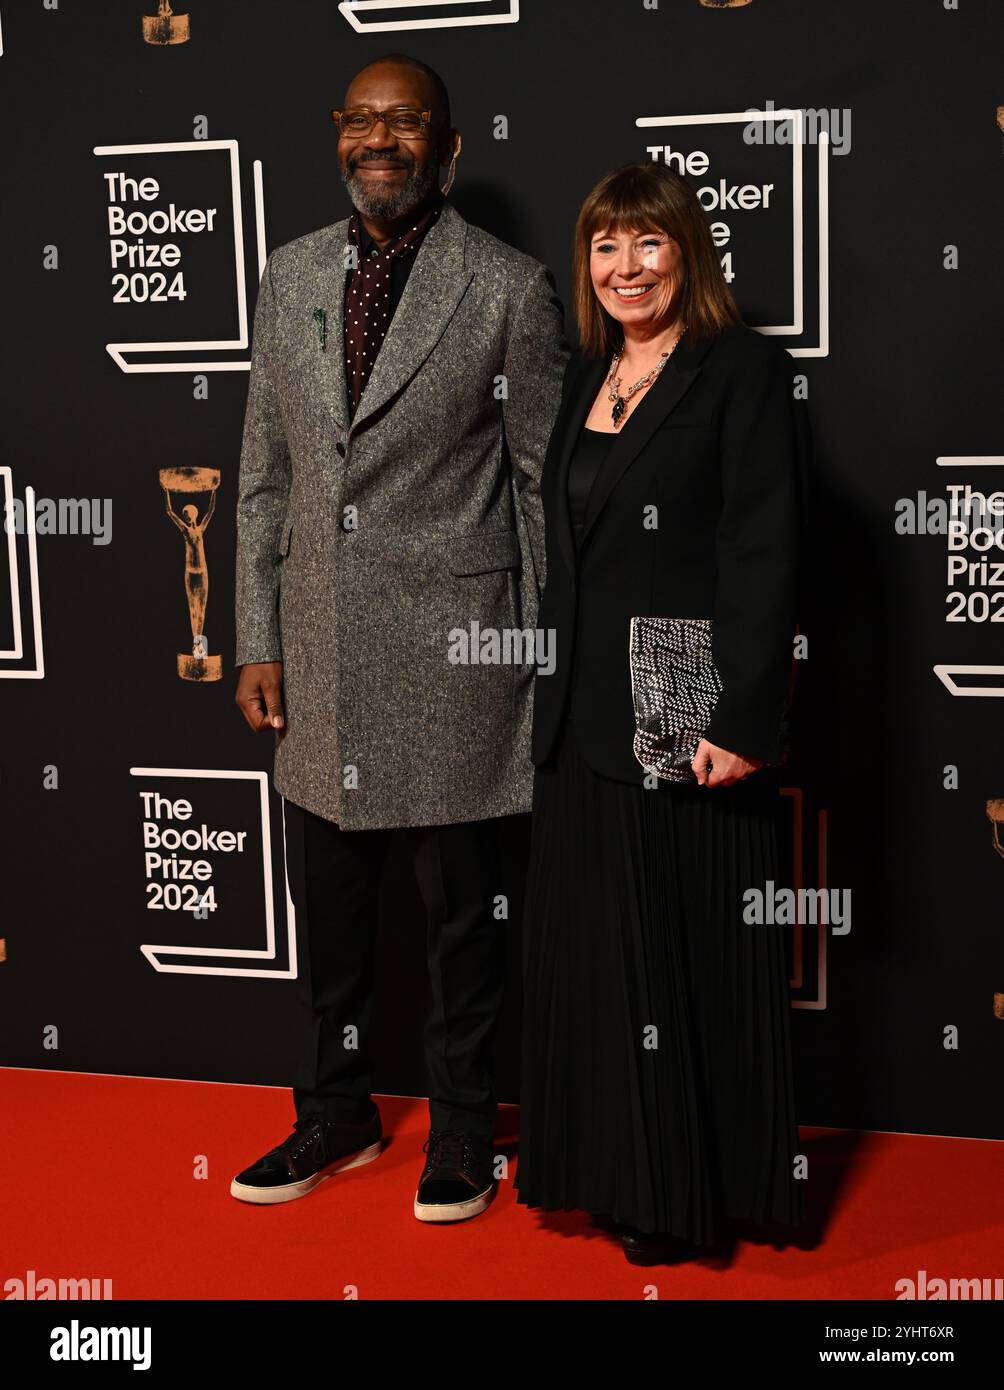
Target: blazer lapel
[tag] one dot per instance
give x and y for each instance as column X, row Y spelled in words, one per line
column 437, row 283
column 662, row 397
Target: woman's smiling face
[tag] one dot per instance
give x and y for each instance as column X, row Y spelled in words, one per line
column 637, row 276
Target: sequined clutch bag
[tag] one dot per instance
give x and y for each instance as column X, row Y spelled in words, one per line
column 675, row 686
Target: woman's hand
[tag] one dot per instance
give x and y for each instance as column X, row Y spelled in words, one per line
column 726, row 768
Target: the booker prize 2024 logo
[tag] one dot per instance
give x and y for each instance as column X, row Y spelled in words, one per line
column 970, row 517
column 762, row 177
column 207, row 852
column 176, row 258
column 964, row 519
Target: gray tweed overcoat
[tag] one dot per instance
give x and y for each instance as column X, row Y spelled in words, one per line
column 361, row 547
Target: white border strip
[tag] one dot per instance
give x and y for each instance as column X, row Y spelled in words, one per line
column 38, row 671
column 259, row 218
column 16, row 652
column 970, row 460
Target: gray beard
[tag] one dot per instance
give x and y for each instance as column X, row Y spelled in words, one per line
column 413, row 192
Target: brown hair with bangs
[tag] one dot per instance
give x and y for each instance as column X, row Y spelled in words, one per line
column 651, row 198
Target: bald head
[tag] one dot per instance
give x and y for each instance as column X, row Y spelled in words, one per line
column 427, row 84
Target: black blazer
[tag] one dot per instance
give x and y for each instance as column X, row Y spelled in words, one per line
column 718, row 448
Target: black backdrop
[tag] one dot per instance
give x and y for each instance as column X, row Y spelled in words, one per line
column 899, row 351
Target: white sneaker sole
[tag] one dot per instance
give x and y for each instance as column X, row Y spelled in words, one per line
column 288, row 1192
column 454, row 1211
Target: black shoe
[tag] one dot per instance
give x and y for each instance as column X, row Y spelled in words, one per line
column 317, row 1149
column 457, row 1180
column 641, row 1248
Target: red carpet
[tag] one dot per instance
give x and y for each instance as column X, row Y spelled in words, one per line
column 100, row 1185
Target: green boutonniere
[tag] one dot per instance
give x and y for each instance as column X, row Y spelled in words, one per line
column 321, row 319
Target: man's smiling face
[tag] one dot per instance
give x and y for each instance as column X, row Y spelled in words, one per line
column 387, row 176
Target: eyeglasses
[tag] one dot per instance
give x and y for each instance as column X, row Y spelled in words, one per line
column 357, row 123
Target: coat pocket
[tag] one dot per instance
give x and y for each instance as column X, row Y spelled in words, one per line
column 482, row 552
column 285, row 539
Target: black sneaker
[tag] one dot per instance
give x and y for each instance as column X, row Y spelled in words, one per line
column 317, row 1149
column 457, row 1181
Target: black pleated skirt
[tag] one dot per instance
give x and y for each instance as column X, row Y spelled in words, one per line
column 656, row 1083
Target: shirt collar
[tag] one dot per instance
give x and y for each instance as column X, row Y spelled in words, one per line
column 366, row 243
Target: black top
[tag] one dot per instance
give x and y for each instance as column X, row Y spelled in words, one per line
column 591, row 448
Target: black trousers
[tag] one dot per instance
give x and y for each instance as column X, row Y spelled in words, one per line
column 334, row 878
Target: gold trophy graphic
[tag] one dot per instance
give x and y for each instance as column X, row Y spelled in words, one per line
column 165, row 26
column 199, row 666
column 995, row 815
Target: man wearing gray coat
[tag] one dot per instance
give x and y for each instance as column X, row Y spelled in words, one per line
column 405, row 374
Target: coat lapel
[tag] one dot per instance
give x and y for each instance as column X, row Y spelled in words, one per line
column 437, row 283
column 330, row 270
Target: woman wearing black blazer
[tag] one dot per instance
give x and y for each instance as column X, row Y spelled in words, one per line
column 656, row 1081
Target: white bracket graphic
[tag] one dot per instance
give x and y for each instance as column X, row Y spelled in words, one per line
column 154, row 953
column 947, row 673
column 797, row 326
column 16, row 652
column 353, row 9
column 970, row 460
column 239, row 344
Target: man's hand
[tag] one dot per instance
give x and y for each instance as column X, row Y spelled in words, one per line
column 726, row 768
column 259, row 695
